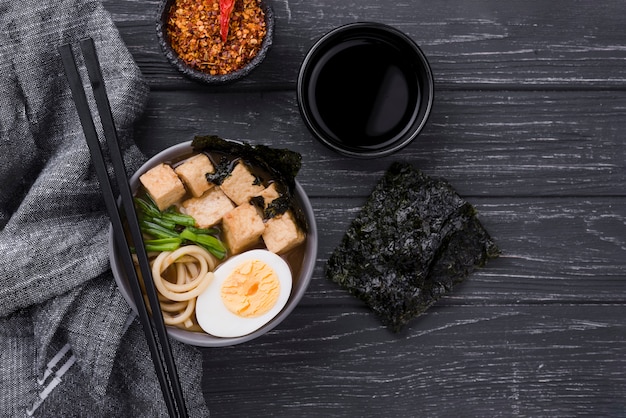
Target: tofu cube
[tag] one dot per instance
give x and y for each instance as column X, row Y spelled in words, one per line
column 240, row 185
column 282, row 233
column 163, row 185
column 209, row 208
column 269, row 194
column 242, row 227
column 193, row 173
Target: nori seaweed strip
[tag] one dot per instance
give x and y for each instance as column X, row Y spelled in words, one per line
column 222, row 170
column 413, row 240
column 282, row 164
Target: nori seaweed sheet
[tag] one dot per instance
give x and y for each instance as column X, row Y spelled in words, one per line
column 282, row 163
column 413, row 240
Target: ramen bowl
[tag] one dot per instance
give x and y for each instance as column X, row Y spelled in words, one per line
column 301, row 272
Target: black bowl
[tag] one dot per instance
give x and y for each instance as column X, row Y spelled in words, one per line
column 365, row 90
column 197, row 75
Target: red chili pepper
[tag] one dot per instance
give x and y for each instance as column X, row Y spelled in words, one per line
column 226, row 8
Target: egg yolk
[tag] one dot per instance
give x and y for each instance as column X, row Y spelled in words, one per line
column 251, row 289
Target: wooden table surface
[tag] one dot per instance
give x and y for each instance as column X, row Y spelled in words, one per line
column 529, row 126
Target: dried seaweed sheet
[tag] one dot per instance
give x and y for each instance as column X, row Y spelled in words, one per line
column 283, row 164
column 413, row 240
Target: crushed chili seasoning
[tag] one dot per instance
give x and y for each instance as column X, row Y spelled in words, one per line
column 194, row 31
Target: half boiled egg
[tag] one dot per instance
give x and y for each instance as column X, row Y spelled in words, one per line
column 248, row 290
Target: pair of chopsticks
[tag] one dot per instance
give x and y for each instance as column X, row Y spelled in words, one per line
column 158, row 344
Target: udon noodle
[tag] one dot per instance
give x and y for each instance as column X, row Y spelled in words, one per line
column 178, row 202
column 180, row 276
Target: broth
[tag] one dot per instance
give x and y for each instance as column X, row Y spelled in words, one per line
column 294, row 257
column 364, row 93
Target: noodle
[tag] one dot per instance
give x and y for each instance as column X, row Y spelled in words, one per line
column 191, row 267
column 190, row 289
column 181, row 316
column 181, row 275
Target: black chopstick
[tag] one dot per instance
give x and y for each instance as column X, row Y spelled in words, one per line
column 162, row 357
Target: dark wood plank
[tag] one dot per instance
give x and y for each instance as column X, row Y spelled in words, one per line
column 528, row 126
column 518, row 44
column 454, row 361
column 565, row 250
column 496, row 143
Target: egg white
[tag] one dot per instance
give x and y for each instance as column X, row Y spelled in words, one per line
column 215, row 318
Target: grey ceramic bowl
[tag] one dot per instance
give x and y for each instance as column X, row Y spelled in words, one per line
column 194, row 74
column 365, row 90
column 300, row 283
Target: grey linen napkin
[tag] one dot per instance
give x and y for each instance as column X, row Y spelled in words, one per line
column 68, row 343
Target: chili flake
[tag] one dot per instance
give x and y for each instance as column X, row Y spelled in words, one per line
column 194, row 31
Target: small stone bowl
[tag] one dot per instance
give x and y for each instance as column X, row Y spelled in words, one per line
column 365, row 90
column 301, row 279
column 204, row 77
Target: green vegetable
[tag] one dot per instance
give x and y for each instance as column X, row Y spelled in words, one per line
column 147, row 207
column 162, row 222
column 157, row 230
column 163, row 244
column 204, row 231
column 171, row 229
column 168, row 219
column 209, row 242
column 178, row 218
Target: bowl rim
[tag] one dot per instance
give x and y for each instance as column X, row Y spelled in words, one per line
column 351, row 31
column 201, row 76
column 202, row 339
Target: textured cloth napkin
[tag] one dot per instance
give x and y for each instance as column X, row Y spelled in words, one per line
column 69, row 344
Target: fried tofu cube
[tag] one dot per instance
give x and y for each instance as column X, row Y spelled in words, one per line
column 243, row 227
column 241, row 185
column 209, row 208
column 282, row 233
column 269, row 194
column 193, row 173
column 163, row 185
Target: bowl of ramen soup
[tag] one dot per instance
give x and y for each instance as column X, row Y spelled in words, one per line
column 230, row 235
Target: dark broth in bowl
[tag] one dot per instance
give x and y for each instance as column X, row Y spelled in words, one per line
column 364, row 93
column 365, row 90
column 293, row 255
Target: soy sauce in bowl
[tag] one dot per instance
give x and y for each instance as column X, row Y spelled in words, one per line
column 365, row 90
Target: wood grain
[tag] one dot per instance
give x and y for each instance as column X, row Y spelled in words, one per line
column 528, row 125
column 495, row 143
column 515, row 44
column 453, row 361
column 553, row 251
